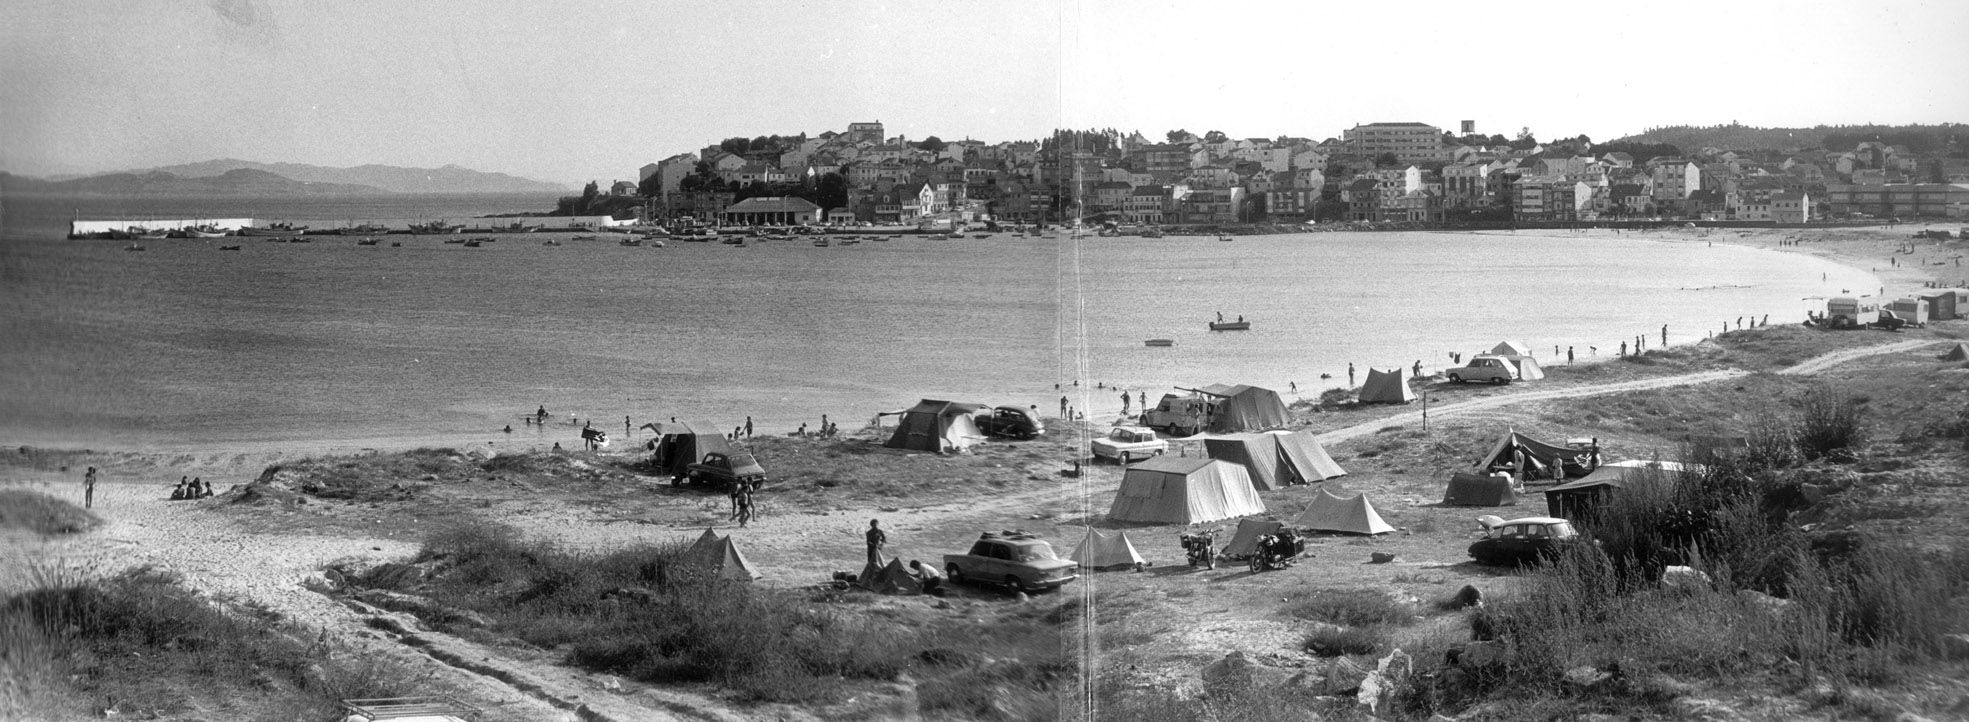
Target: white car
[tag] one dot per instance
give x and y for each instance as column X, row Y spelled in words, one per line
column 1129, row 443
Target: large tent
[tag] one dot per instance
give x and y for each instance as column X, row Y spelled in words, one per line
column 1184, row 490
column 1245, row 541
column 1305, row 458
column 1386, row 387
column 678, row 445
column 1102, row 550
column 1275, row 458
column 1243, row 408
column 1511, row 348
column 1578, row 499
column 717, row 557
column 1538, row 458
column 890, row 578
column 939, row 426
column 1479, row 490
column 1353, row 515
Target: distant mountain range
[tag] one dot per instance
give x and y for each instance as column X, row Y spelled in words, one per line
column 1922, row 138
column 309, row 179
column 241, row 181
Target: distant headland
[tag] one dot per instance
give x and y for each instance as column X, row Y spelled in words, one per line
column 241, row 177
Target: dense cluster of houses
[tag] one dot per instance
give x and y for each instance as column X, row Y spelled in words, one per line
column 1373, row 172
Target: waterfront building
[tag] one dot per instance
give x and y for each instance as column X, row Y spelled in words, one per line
column 770, row 211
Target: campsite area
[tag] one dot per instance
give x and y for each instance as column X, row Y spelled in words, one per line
column 535, row 586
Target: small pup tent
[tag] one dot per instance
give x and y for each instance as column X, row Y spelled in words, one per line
column 1182, row 490
column 891, row 578
column 939, row 426
column 717, row 557
column 1538, row 459
column 1479, row 490
column 1959, row 353
column 1243, row 408
column 1386, row 387
column 1510, row 348
column 1103, row 550
column 1245, row 541
column 1353, row 515
column 678, row 445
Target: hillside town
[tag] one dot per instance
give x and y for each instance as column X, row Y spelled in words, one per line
column 1376, row 172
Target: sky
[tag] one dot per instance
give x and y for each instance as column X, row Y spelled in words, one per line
column 572, row 92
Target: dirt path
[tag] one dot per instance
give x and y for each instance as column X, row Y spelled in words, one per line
column 1820, row 363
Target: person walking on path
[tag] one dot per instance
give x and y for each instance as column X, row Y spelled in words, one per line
column 748, row 427
column 742, row 499
column 89, row 488
column 876, row 540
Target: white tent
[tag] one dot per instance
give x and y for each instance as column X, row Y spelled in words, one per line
column 1353, row 515
column 1528, row 368
column 1102, row 550
column 1511, row 348
column 1184, row 490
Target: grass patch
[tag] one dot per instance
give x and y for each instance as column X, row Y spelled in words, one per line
column 42, row 514
column 1350, row 607
column 157, row 649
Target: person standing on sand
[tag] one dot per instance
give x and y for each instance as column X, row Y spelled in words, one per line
column 89, row 488
column 1143, row 397
column 1063, row 407
column 1568, row 354
column 1417, row 373
column 1350, row 375
column 1125, row 400
column 743, row 498
column 1623, row 348
column 876, row 540
column 1664, row 335
column 748, row 427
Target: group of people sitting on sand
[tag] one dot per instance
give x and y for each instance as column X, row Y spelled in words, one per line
column 193, row 489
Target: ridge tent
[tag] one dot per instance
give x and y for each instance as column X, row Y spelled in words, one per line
column 1305, row 458
column 1101, row 550
column 677, row 446
column 1959, row 353
column 933, row 425
column 1245, row 541
column 1243, row 408
column 1578, row 499
column 1353, row 515
column 1386, row 387
column 1257, row 453
column 1479, row 490
column 890, row 578
column 718, row 557
column 1527, row 367
column 1184, row 490
column 1510, row 348
column 1539, row 458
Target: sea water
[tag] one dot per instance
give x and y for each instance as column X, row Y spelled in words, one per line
column 187, row 346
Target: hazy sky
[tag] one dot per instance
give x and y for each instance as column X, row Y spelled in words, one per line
column 571, row 92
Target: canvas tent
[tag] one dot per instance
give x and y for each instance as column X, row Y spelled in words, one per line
column 939, row 426
column 1104, row 550
column 1959, row 353
column 1479, row 490
column 1245, row 541
column 1510, row 348
column 1353, row 515
column 890, row 578
column 1578, row 499
column 1184, row 490
column 1538, row 457
column 1275, row 458
column 1243, row 408
column 1386, row 387
column 717, row 557
column 1305, row 458
column 1527, row 367
column 678, row 445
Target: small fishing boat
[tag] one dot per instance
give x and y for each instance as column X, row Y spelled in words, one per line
column 435, row 228
column 366, row 242
column 655, row 244
column 228, row 248
column 276, row 229
column 550, row 242
column 300, row 239
column 820, row 243
column 1160, row 342
column 474, row 243
column 585, row 238
column 366, row 229
column 1239, row 325
column 1223, row 237
column 632, row 241
column 134, row 247
column 396, row 244
column 980, row 235
column 454, row 240
column 203, row 232
column 850, row 241
column 1152, row 233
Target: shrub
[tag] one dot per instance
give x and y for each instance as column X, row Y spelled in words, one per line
column 1829, row 425
column 42, row 514
column 1340, row 641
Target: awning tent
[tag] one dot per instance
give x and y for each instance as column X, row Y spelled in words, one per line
column 678, row 445
column 1510, row 348
column 890, row 578
column 933, row 425
column 1184, row 490
column 1578, row 499
column 1352, row 515
column 1244, row 408
column 1479, row 490
column 1527, row 367
column 1386, row 387
column 1245, row 541
column 717, row 557
column 1106, row 550
column 1539, row 458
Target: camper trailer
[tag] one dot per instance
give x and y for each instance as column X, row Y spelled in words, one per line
column 1914, row 311
column 1849, row 312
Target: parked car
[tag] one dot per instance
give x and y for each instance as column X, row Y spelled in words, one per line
column 1020, row 561
column 725, row 470
column 1129, row 443
column 1493, row 369
column 1530, row 540
column 1889, row 321
column 1011, row 422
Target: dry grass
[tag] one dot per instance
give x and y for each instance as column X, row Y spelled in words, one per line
column 42, row 514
